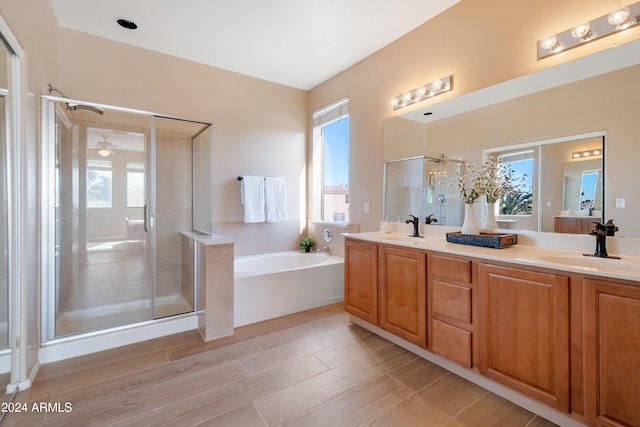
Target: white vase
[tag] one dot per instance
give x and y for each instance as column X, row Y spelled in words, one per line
column 469, row 225
column 490, row 216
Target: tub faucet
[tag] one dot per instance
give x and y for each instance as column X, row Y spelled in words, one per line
column 430, row 219
column 324, row 249
column 601, row 231
column 416, row 222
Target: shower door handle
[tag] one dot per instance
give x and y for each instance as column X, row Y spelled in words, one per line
column 146, row 230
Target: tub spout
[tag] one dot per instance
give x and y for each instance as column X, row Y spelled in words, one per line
column 324, row 249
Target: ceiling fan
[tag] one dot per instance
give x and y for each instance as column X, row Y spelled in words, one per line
column 105, row 148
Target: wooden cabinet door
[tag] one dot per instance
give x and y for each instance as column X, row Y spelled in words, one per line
column 524, row 331
column 403, row 293
column 612, row 353
column 361, row 280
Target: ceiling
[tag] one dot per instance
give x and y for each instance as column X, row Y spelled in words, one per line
column 297, row 43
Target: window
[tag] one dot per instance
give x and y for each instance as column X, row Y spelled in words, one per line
column 135, row 185
column 99, row 184
column 522, row 165
column 331, row 163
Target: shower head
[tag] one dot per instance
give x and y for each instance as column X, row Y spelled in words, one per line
column 74, row 107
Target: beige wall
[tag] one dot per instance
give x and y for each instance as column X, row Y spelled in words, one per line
column 481, row 42
column 258, row 127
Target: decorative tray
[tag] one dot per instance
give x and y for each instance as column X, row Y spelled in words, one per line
column 488, row 240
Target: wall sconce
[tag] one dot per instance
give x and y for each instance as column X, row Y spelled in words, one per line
column 429, row 90
column 618, row 20
column 587, row 153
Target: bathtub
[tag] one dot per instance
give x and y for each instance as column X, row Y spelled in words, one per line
column 280, row 283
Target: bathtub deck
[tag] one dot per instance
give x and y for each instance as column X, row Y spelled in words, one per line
column 312, row 368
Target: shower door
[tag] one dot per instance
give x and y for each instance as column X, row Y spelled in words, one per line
column 103, row 240
column 122, row 186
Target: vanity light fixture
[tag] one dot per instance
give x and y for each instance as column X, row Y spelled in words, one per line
column 429, row 90
column 586, row 153
column 618, row 20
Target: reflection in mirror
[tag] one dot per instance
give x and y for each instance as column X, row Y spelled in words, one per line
column 424, row 187
column 585, row 96
column 588, row 190
column 556, row 183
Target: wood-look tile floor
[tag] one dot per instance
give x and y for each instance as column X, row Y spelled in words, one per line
column 310, row 369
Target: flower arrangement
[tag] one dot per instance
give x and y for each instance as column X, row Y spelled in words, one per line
column 496, row 180
column 493, row 180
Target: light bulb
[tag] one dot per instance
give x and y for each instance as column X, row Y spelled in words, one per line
column 437, row 85
column 550, row 43
column 582, row 31
column 619, row 17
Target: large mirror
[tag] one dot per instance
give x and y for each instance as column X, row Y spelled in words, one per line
column 570, row 108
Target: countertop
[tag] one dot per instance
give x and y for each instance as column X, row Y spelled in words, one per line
column 564, row 259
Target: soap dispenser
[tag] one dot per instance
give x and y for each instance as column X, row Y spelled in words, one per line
column 387, row 227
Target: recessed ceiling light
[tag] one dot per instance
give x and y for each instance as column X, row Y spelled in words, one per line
column 127, row 23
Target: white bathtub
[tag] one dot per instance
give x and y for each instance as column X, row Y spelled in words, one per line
column 280, row 283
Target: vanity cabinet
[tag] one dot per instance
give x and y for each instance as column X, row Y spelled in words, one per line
column 361, row 279
column 524, row 331
column 612, row 353
column 403, row 293
column 450, row 319
column 573, row 224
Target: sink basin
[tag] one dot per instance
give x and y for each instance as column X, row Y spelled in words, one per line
column 595, row 263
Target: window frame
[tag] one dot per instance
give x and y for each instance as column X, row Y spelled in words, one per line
column 322, row 118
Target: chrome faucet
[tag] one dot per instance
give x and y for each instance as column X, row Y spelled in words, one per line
column 430, row 219
column 601, row 231
column 324, row 249
column 416, row 222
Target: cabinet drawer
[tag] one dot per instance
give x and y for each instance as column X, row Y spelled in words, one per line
column 451, row 342
column 452, row 301
column 452, row 270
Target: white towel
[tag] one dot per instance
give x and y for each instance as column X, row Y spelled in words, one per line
column 275, row 196
column 252, row 197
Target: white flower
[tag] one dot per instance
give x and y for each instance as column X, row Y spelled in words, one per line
column 468, row 183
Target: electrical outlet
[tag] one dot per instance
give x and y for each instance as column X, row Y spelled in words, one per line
column 366, row 207
column 548, row 204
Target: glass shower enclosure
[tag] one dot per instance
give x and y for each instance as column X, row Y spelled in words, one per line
column 422, row 186
column 118, row 198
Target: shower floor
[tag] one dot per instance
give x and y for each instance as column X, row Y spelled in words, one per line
column 113, row 289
